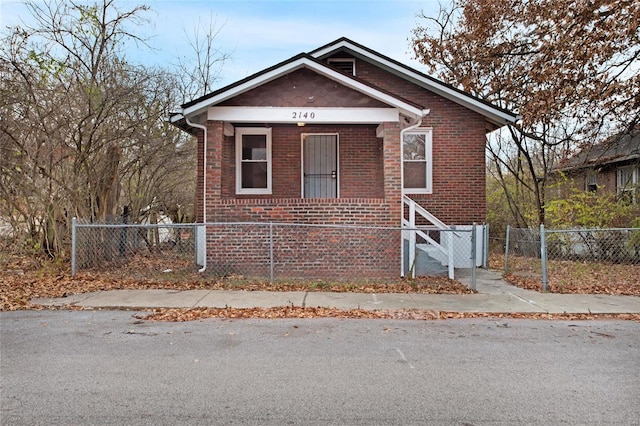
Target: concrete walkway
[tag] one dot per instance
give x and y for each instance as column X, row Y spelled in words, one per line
column 494, row 295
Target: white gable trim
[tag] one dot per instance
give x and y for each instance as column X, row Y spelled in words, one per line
column 303, row 115
column 405, row 108
column 494, row 114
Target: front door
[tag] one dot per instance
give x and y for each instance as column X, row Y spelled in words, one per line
column 320, row 166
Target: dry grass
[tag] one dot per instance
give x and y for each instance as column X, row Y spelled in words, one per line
column 22, row 279
column 25, row 278
column 566, row 276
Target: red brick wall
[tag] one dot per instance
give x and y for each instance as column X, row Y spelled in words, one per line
column 303, row 252
column 360, row 162
column 370, row 182
column 200, row 181
column 606, row 181
column 458, row 150
column 214, row 163
column 459, row 173
column 344, row 211
column 304, row 88
column 393, row 169
column 370, row 197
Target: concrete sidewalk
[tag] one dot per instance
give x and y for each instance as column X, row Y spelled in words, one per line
column 494, row 295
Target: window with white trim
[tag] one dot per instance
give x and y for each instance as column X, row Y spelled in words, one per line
column 253, row 160
column 416, row 161
column 628, row 183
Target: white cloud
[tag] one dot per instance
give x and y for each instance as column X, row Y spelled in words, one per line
column 259, row 34
column 258, row 42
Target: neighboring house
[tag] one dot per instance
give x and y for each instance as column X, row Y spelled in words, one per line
column 339, row 136
column 611, row 166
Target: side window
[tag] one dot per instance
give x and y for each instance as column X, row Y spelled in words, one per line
column 253, row 160
column 416, row 161
column 628, row 183
column 591, row 181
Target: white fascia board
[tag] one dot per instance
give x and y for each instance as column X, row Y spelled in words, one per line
column 332, row 47
column 246, row 86
column 176, row 117
column 306, row 115
column 492, row 113
column 404, row 107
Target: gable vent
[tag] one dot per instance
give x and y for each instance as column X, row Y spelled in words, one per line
column 345, row 65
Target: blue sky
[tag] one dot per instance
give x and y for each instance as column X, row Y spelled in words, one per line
column 258, row 34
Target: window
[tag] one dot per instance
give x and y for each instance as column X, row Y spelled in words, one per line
column 416, row 161
column 346, row 65
column 628, row 183
column 591, row 181
column 253, row 160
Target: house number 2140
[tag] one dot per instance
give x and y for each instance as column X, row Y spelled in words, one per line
column 303, row 115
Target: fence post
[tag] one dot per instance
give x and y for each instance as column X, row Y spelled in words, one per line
column 485, row 246
column 543, row 257
column 473, row 256
column 402, row 235
column 412, row 240
column 123, row 231
column 271, row 252
column 74, row 222
column 201, row 246
column 449, row 234
column 506, row 251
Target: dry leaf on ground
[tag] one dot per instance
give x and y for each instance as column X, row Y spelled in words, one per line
column 572, row 276
column 179, row 315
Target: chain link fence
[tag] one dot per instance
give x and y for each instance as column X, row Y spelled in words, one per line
column 529, row 251
column 270, row 251
column 109, row 246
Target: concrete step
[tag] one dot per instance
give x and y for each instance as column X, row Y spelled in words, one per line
column 425, row 264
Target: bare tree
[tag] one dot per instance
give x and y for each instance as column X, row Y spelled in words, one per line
column 568, row 67
column 82, row 130
column 200, row 68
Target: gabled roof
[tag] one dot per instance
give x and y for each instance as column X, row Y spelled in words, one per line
column 494, row 115
column 302, row 60
column 615, row 149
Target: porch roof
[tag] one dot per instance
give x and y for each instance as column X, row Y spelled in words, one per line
column 618, row 148
column 303, row 60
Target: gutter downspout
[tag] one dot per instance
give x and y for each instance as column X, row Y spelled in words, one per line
column 204, row 187
column 415, row 125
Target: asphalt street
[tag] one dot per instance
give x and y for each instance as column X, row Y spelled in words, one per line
column 106, row 367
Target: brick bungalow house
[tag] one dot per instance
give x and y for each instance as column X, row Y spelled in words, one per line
column 342, row 136
column 611, row 166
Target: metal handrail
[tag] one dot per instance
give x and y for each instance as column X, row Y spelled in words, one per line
column 413, row 208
